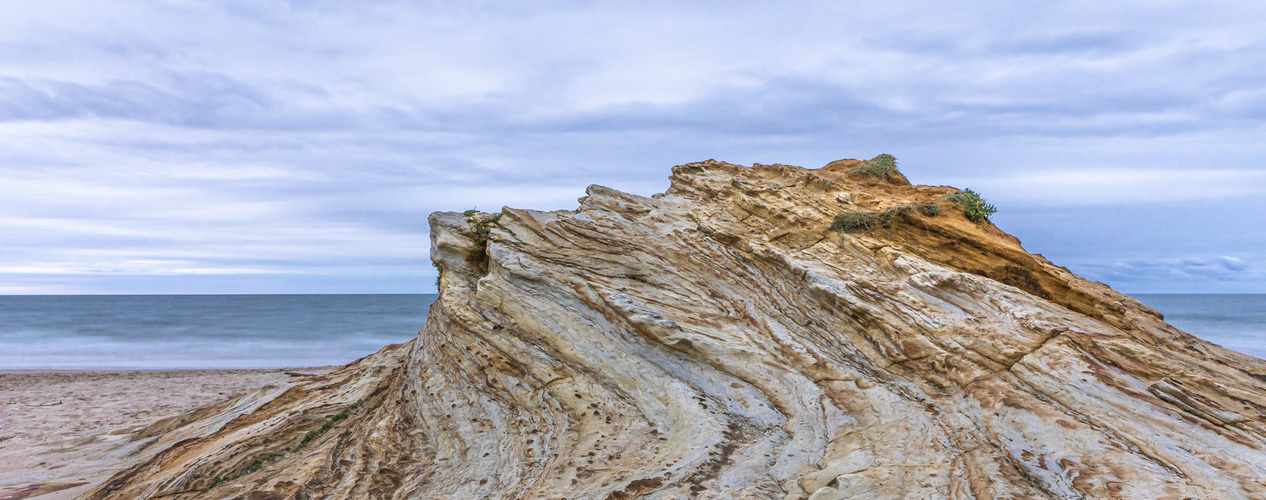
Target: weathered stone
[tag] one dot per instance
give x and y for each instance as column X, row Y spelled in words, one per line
column 719, row 341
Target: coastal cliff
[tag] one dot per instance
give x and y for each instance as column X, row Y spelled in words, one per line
column 753, row 332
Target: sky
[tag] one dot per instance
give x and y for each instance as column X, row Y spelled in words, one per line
column 297, row 147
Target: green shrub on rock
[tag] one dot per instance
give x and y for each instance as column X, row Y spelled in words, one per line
column 882, row 167
column 975, row 207
column 854, row 222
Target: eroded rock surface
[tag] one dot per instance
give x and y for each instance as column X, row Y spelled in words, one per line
column 720, row 341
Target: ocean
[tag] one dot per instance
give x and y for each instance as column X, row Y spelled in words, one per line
column 151, row 332
column 1236, row 322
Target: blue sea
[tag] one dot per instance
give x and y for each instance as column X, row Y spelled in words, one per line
column 148, row 332
column 1236, row 322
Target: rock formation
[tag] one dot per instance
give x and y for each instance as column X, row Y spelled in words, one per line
column 721, row 341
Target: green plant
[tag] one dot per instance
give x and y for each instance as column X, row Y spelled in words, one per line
column 861, row 222
column 975, row 207
column 854, row 222
column 253, row 466
column 881, row 167
column 258, row 463
column 470, row 212
column 481, row 236
column 316, row 433
column 439, row 271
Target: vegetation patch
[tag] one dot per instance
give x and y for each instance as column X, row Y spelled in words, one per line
column 485, row 226
column 259, row 463
column 862, row 222
column 255, row 465
column 316, row 433
column 975, row 207
column 312, row 435
column 882, row 167
column 854, row 222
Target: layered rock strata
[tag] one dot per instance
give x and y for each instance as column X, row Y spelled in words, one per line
column 720, row 341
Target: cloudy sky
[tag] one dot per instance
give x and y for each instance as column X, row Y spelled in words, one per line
column 296, row 147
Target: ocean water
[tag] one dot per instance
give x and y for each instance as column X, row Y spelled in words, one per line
column 124, row 332
column 119, row 332
column 1236, row 322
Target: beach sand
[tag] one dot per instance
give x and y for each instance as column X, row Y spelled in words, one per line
column 64, row 432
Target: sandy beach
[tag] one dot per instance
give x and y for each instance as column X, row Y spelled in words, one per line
column 63, row 432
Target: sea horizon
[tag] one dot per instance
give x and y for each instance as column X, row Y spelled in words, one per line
column 155, row 332
column 202, row 331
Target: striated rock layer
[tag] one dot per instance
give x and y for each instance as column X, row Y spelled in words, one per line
column 720, row 341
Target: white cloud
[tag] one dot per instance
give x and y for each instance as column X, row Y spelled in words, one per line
column 311, row 138
column 1178, row 274
column 1082, row 187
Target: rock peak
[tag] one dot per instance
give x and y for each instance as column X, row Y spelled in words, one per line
column 753, row 332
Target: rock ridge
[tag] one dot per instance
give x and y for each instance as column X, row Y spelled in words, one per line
column 720, row 340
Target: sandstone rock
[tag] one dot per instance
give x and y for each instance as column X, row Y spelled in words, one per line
column 719, row 341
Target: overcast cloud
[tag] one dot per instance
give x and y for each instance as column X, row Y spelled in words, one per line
column 297, row 147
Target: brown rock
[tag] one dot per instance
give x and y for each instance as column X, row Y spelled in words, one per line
column 717, row 341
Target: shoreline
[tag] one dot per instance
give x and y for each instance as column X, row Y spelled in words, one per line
column 43, row 371
column 63, row 432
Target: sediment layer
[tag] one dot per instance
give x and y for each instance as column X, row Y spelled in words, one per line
column 720, row 341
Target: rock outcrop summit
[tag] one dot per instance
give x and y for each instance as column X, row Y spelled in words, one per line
column 753, row 332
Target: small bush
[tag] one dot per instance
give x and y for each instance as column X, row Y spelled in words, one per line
column 975, row 207
column 861, row 222
column 854, row 222
column 881, row 167
column 470, row 212
column 485, row 227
